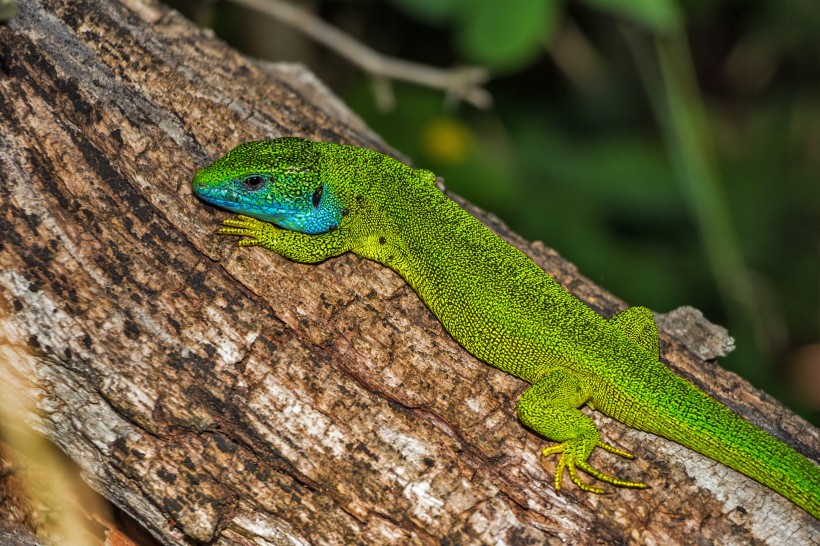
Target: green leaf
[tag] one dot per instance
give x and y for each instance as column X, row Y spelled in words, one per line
column 660, row 16
column 432, row 11
column 505, row 35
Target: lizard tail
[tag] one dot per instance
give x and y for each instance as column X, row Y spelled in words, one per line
column 708, row 427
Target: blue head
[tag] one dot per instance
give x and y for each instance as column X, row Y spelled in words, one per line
column 278, row 181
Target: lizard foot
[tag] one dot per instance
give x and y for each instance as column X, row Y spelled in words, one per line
column 571, row 460
column 254, row 230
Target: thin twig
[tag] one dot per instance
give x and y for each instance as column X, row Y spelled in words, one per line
column 461, row 82
column 576, row 56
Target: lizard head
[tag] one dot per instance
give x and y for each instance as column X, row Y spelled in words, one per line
column 277, row 181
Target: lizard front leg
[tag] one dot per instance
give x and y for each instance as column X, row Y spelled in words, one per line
column 550, row 407
column 296, row 246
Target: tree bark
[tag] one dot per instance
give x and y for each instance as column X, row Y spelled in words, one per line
column 230, row 396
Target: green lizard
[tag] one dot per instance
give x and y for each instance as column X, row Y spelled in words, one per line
column 327, row 199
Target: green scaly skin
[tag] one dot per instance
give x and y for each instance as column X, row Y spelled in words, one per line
column 494, row 301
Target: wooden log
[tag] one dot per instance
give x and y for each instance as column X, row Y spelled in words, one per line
column 230, row 396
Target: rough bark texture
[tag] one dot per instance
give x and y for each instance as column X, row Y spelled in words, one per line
column 231, row 396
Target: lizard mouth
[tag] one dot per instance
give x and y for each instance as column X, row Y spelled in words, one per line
column 235, row 201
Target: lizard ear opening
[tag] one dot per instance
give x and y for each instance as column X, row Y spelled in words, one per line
column 317, row 196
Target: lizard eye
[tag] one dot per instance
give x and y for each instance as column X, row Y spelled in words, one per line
column 254, row 182
column 317, row 196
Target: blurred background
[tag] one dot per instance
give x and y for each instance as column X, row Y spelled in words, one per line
column 669, row 148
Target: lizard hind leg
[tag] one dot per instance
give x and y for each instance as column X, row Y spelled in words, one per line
column 550, row 407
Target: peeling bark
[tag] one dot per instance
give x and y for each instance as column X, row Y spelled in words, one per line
column 231, row 396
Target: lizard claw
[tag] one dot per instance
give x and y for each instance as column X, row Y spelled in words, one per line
column 573, row 462
column 245, row 226
column 241, row 221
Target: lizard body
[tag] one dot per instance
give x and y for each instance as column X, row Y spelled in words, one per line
column 328, row 199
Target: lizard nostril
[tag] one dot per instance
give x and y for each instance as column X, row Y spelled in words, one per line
column 199, row 180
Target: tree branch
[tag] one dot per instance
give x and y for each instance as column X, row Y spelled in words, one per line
column 230, row 396
column 460, row 83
